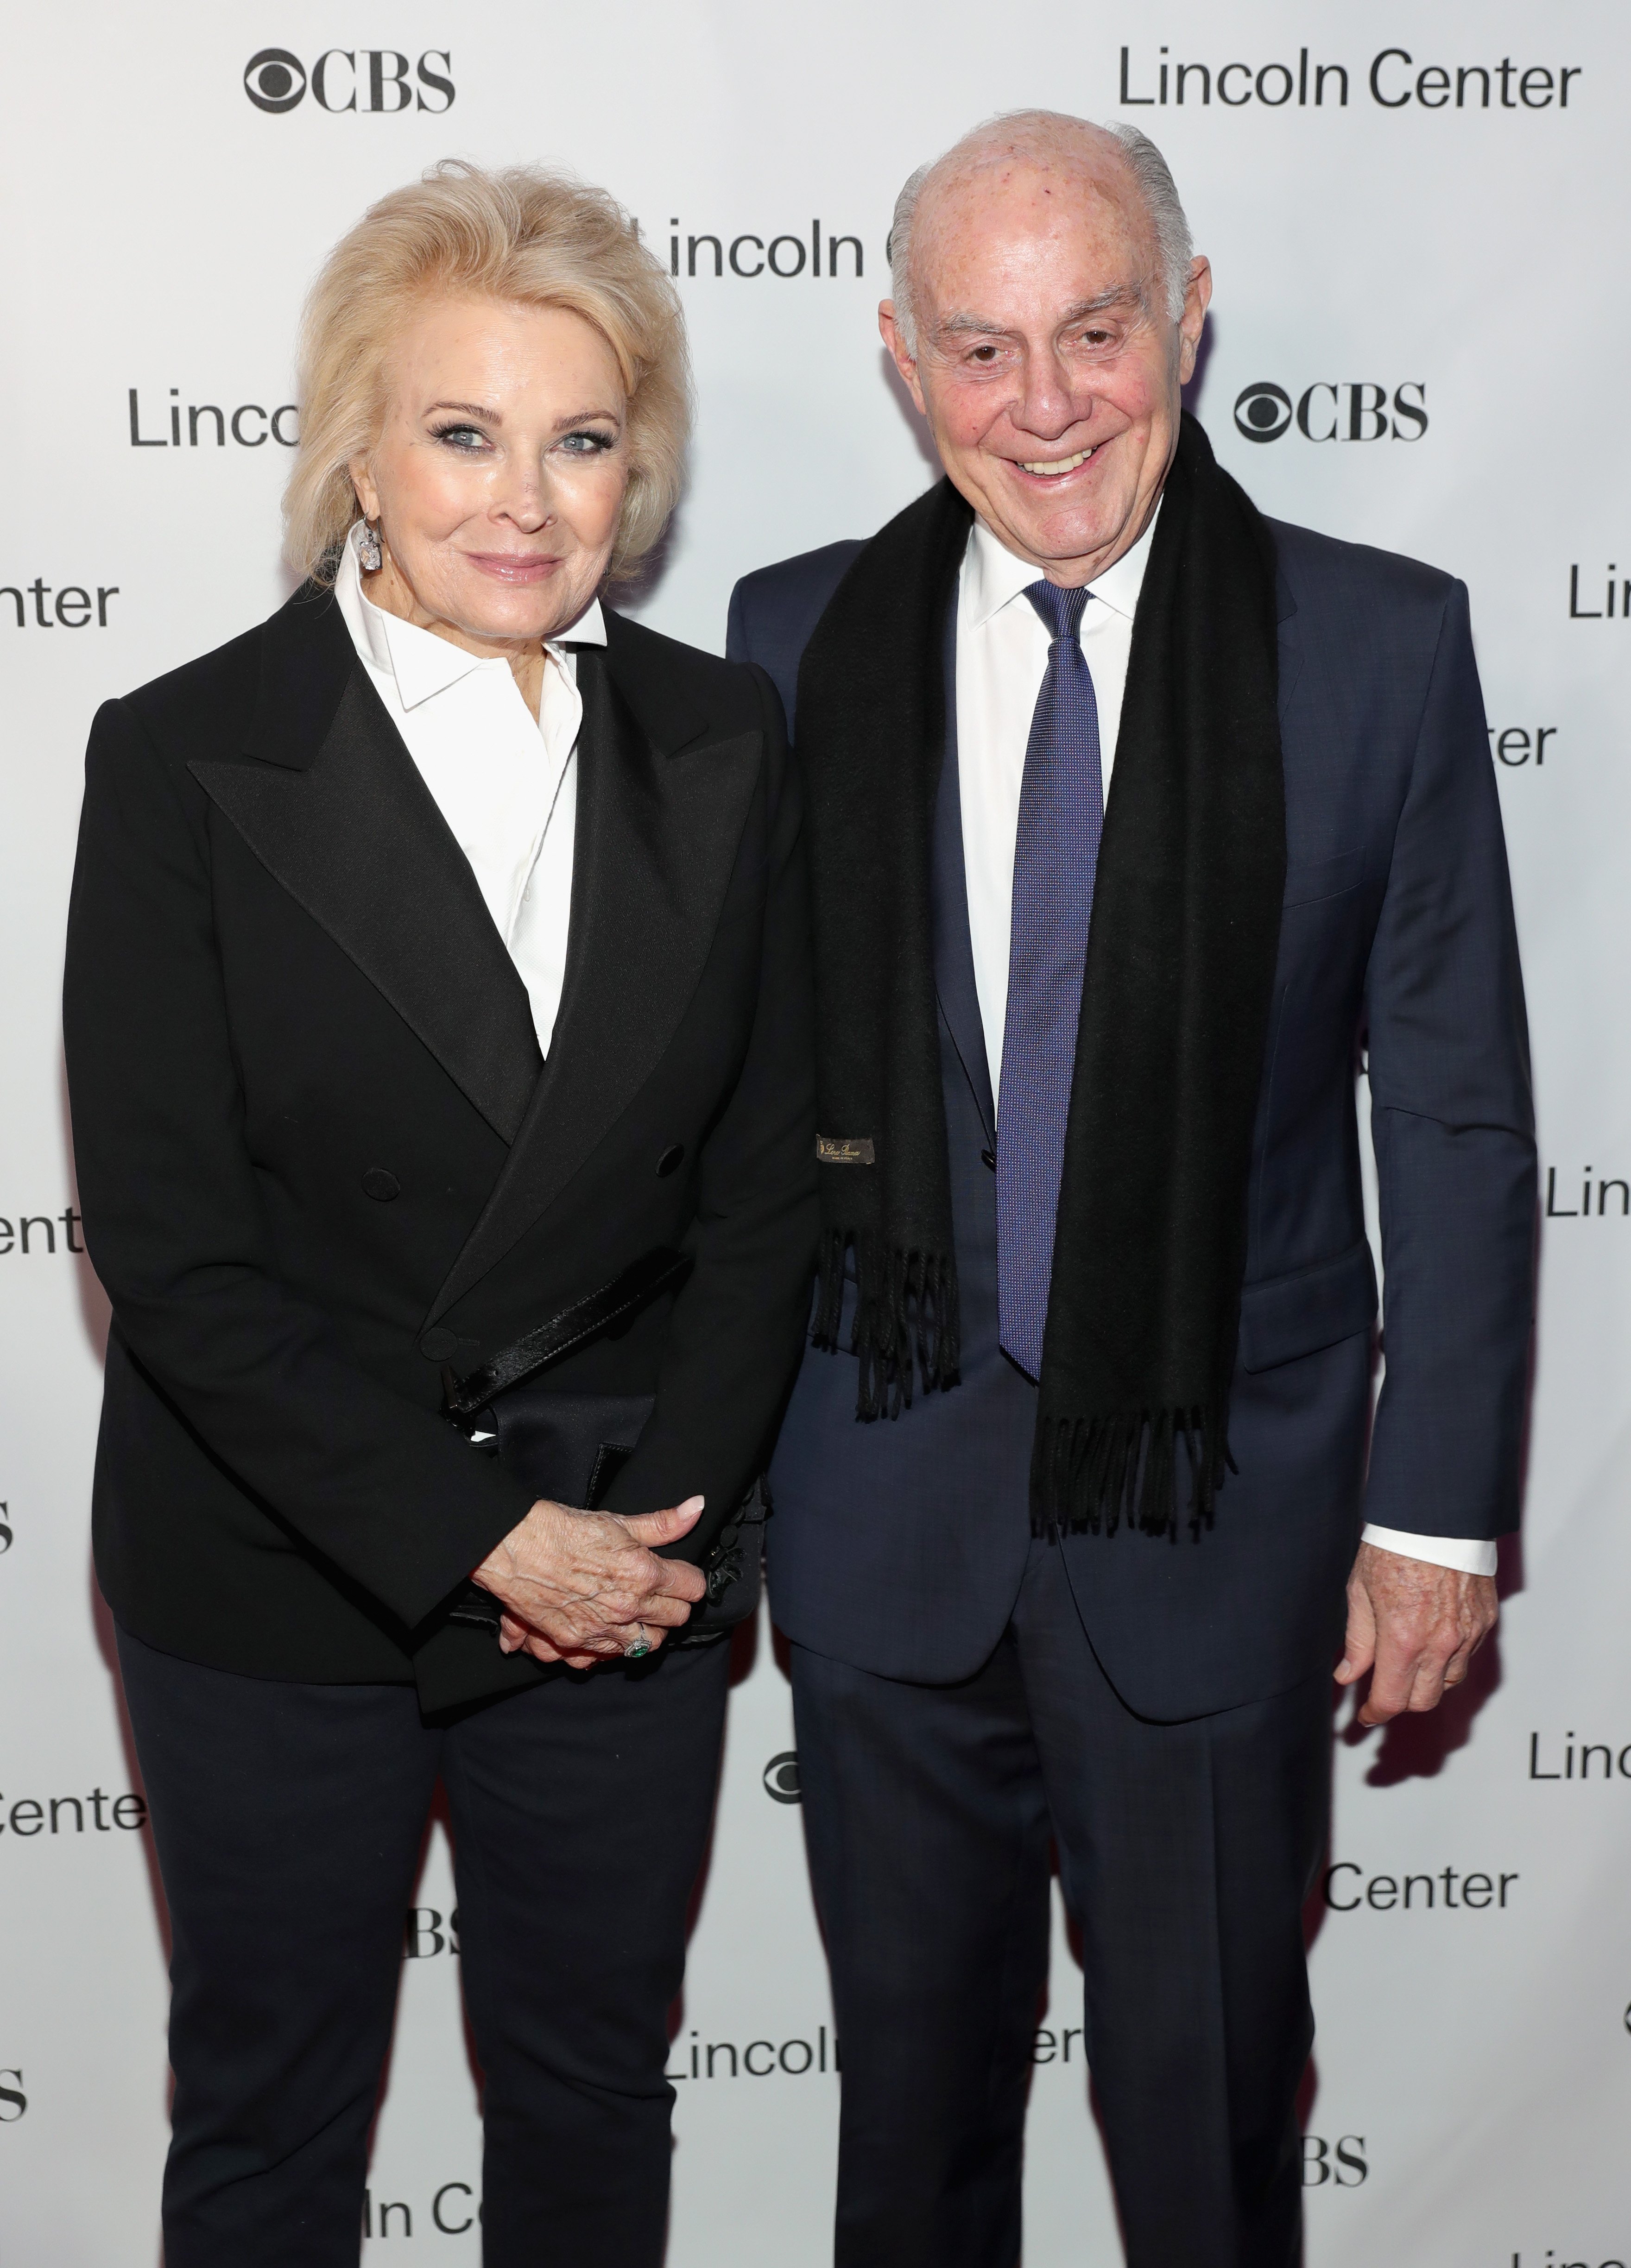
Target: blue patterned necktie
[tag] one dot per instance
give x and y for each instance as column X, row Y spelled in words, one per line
column 1061, row 816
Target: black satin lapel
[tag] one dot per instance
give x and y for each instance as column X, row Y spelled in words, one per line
column 357, row 840
column 307, row 662
column 954, row 949
column 657, row 838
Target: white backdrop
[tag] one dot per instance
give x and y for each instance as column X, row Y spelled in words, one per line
column 1417, row 225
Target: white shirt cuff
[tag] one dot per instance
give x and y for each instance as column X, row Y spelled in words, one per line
column 1468, row 1554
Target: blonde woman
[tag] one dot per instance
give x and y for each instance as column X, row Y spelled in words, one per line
column 438, row 1009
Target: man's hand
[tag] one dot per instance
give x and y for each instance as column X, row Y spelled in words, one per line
column 577, row 1587
column 1417, row 1626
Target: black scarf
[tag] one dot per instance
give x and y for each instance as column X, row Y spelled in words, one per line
column 1150, row 1246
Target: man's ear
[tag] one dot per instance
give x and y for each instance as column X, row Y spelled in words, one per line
column 889, row 331
column 1192, row 322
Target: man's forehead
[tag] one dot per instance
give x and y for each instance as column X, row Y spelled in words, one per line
column 1088, row 172
column 999, row 206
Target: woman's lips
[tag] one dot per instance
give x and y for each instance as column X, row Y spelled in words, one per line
column 515, row 566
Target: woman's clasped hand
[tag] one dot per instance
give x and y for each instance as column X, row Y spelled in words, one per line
column 583, row 1588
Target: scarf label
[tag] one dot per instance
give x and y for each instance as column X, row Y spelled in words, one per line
column 848, row 1150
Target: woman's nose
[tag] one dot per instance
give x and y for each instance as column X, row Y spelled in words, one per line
column 524, row 500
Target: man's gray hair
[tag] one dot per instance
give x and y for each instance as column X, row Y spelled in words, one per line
column 1036, row 132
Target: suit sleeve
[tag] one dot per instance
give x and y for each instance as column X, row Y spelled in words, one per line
column 737, row 1328
column 379, row 1486
column 770, row 636
column 736, row 643
column 1453, row 1124
column 773, row 611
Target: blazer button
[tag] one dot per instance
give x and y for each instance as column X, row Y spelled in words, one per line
column 671, row 1159
column 987, row 1158
column 439, row 1346
column 380, row 1186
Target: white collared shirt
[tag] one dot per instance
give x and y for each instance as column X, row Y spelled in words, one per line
column 1002, row 658
column 506, row 784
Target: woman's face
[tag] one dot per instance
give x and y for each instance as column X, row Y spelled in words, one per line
column 499, row 475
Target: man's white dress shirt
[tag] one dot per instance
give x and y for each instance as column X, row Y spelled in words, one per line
column 505, row 784
column 1002, row 658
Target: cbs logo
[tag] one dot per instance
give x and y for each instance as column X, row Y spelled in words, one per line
column 1354, row 410
column 376, row 79
column 1263, row 412
column 781, row 1778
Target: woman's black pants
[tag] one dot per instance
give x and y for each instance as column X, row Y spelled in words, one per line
column 289, row 1821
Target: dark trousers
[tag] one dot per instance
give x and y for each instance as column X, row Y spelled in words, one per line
column 1186, row 1852
column 289, row 1821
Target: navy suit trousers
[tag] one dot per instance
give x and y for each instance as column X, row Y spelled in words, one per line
column 1186, row 1852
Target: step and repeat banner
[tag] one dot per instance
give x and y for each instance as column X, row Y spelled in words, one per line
column 1419, row 340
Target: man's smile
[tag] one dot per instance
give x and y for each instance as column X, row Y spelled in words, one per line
column 1055, row 468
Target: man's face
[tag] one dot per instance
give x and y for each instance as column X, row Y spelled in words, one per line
column 1047, row 365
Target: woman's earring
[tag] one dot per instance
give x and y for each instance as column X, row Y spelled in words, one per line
column 370, row 558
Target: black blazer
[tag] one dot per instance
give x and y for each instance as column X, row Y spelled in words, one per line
column 319, row 1157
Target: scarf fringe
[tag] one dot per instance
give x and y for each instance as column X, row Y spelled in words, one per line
column 906, row 1320
column 1089, row 1473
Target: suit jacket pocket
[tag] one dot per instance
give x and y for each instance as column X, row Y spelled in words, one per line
column 1286, row 1316
column 1307, row 882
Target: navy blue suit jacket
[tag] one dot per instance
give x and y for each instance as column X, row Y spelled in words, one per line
column 898, row 1546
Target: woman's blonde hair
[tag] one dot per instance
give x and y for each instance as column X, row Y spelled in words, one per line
column 523, row 237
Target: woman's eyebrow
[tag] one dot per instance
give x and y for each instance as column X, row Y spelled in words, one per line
column 490, row 416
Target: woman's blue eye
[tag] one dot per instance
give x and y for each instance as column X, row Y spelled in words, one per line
column 461, row 437
column 588, row 444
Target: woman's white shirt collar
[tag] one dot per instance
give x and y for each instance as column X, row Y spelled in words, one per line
column 421, row 663
column 505, row 783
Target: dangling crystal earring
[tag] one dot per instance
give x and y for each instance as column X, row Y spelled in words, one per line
column 370, row 558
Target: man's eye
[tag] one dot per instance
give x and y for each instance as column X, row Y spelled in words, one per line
column 983, row 353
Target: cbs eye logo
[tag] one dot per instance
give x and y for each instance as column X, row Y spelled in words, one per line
column 378, row 79
column 782, row 1785
column 1262, row 413
column 274, row 79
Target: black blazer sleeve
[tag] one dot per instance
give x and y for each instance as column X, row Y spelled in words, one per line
column 379, row 1486
column 740, row 1318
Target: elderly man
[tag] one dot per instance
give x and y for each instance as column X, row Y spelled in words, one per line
column 1094, row 1270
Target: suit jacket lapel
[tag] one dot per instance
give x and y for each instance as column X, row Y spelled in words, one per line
column 659, row 822
column 954, row 950
column 334, row 807
column 1290, row 645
